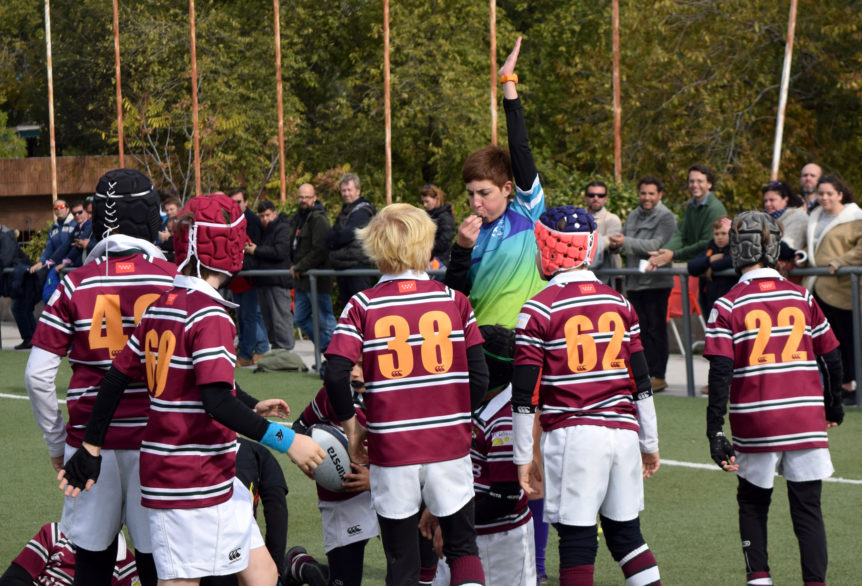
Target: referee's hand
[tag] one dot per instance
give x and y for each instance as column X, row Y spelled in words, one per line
column 81, row 471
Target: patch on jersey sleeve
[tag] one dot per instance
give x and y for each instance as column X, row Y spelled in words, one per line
column 54, row 297
column 345, row 311
column 523, row 320
column 502, row 438
column 713, row 315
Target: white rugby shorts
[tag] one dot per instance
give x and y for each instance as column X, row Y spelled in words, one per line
column 94, row 518
column 509, row 557
column 208, row 541
column 349, row 521
column 759, row 468
column 445, row 487
column 591, row 469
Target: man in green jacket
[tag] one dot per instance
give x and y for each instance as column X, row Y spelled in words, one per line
column 694, row 231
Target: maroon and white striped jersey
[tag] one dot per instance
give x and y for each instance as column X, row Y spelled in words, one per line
column 49, row 558
column 491, row 453
column 90, row 316
column 773, row 330
column 412, row 334
column 320, row 411
column 582, row 334
column 184, row 341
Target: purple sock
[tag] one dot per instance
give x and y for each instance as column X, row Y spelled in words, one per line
column 540, row 529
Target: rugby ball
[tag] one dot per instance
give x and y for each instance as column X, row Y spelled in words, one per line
column 330, row 473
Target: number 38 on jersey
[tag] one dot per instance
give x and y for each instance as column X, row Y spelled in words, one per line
column 435, row 345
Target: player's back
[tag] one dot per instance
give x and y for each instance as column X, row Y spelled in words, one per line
column 184, row 341
column 582, row 334
column 91, row 315
column 413, row 335
column 773, row 330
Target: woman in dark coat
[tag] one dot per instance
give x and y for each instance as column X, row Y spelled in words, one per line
column 435, row 204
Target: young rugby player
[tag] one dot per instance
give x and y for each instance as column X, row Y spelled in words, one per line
column 200, row 514
column 424, row 371
column 599, row 432
column 764, row 339
column 90, row 316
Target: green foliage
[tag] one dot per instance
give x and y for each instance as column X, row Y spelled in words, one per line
column 11, row 145
column 700, row 83
column 36, row 245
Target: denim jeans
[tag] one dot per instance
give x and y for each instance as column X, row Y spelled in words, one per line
column 251, row 331
column 302, row 316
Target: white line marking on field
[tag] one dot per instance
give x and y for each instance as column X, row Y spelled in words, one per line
column 25, row 397
column 701, row 466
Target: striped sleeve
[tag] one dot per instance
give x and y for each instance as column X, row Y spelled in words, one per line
column 719, row 335
column 212, row 350
column 530, row 333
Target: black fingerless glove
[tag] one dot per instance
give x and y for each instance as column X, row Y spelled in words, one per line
column 81, row 467
column 720, row 448
column 835, row 412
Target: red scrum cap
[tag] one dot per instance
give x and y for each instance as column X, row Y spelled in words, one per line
column 215, row 236
column 567, row 238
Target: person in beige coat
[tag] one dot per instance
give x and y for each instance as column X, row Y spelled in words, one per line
column 834, row 240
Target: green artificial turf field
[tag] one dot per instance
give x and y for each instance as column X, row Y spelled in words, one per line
column 690, row 520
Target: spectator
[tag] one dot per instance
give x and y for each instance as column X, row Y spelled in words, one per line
column 345, row 251
column 49, row 558
column 28, row 280
column 80, row 238
column 647, row 228
column 59, row 237
column 10, row 255
column 808, row 179
column 785, row 207
column 714, row 259
column 273, row 292
column 171, row 206
column 835, row 240
column 595, row 198
column 252, row 336
column 309, row 228
column 434, row 202
column 694, row 232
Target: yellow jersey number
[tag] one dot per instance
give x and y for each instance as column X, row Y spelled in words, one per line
column 581, row 346
column 106, row 328
column 436, row 347
column 759, row 320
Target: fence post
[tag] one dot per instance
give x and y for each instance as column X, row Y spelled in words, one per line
column 686, row 335
column 315, row 317
column 857, row 334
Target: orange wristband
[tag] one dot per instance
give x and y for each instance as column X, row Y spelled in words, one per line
column 509, row 77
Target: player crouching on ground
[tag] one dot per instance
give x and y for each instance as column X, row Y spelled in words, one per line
column 764, row 340
column 599, row 435
column 200, row 514
column 424, row 372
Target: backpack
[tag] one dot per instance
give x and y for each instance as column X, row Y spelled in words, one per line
column 280, row 359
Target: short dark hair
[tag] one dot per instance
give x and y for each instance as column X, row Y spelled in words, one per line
column 172, row 200
column 234, row 190
column 650, row 180
column 785, row 191
column 840, row 187
column 78, row 202
column 710, row 176
column 596, row 183
column 265, row 205
column 491, row 163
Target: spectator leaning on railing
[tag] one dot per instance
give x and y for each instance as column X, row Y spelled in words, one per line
column 835, row 240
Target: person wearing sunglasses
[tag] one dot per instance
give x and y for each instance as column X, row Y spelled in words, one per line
column 595, row 198
column 80, row 237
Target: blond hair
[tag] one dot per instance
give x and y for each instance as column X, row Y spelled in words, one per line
column 399, row 238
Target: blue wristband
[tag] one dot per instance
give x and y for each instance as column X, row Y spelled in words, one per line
column 278, row 437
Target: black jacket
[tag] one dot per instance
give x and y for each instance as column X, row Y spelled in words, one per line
column 308, row 250
column 345, row 250
column 273, row 252
column 442, row 216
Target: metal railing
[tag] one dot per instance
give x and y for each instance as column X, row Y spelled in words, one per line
column 854, row 272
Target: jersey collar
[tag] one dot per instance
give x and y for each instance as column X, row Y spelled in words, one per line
column 121, row 243
column 406, row 275
column 572, row 277
column 764, row 273
column 202, row 286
